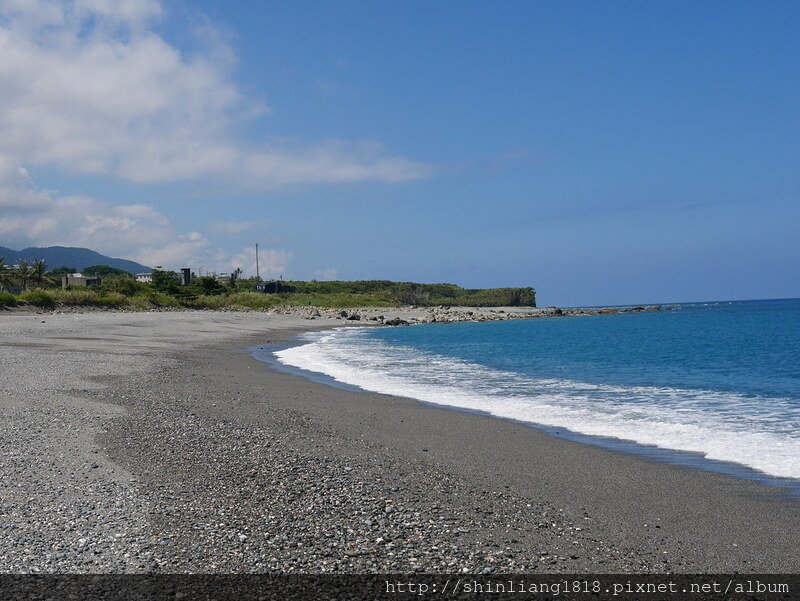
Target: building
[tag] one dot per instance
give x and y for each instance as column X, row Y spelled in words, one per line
column 78, row 279
column 273, row 287
column 144, row 278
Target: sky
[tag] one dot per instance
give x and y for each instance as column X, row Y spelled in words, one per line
column 603, row 153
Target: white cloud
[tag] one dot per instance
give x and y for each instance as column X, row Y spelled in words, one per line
column 332, row 161
column 133, row 231
column 271, row 262
column 187, row 250
column 16, row 191
column 89, row 86
column 137, row 231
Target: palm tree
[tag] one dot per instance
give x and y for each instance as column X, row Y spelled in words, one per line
column 39, row 270
column 24, row 274
column 6, row 276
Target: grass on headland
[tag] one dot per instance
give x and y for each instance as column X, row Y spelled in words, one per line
column 392, row 294
column 255, row 300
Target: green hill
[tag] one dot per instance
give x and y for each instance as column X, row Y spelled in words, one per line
column 79, row 258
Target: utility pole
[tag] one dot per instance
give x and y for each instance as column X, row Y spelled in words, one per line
column 258, row 275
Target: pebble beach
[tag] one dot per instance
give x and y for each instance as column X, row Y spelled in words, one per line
column 154, row 442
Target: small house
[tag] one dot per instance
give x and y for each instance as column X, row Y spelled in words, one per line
column 78, row 279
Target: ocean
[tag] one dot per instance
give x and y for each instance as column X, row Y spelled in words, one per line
column 712, row 384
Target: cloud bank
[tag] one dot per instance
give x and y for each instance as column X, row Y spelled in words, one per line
column 91, row 87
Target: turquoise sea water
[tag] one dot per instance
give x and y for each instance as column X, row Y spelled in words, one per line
column 721, row 380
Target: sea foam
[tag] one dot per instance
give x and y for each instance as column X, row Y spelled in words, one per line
column 718, row 425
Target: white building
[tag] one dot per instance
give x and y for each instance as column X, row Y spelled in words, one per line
column 145, row 278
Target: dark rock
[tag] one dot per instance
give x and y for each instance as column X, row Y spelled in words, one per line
column 396, row 322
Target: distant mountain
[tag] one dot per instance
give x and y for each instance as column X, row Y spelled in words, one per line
column 68, row 256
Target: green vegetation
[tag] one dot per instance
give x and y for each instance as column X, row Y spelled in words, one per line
column 38, row 298
column 7, row 299
column 32, row 284
column 24, row 273
column 7, row 277
column 384, row 292
column 88, row 297
column 103, row 271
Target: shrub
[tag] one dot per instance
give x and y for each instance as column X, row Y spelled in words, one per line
column 38, row 298
column 111, row 299
column 166, row 281
column 7, row 300
column 208, row 286
column 205, row 301
column 163, row 300
column 251, row 300
column 140, row 302
column 150, row 300
column 75, row 296
column 124, row 285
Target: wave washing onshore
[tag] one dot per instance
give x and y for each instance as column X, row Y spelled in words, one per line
column 715, row 379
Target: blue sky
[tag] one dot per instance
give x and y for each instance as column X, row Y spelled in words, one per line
column 602, row 152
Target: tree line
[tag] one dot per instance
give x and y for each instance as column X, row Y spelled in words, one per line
column 25, row 274
column 120, row 288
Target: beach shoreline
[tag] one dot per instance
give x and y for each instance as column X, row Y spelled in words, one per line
column 207, row 460
column 374, row 316
column 658, row 454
